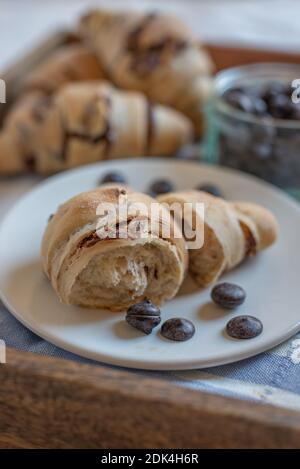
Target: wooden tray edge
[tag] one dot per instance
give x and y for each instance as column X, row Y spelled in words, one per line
column 48, row 402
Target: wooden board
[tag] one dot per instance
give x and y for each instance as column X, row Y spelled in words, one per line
column 46, row 402
column 226, row 56
column 52, row 403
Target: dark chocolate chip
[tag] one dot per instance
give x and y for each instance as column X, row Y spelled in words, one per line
column 259, row 107
column 113, row 177
column 239, row 100
column 281, row 107
column 178, row 329
column 244, row 327
column 261, row 148
column 161, row 187
column 228, row 295
column 143, row 316
column 272, row 89
column 210, row 189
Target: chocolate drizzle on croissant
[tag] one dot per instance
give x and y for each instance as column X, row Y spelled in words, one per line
column 145, row 58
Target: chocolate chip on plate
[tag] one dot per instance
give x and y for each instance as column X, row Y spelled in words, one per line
column 160, row 187
column 113, row 177
column 144, row 316
column 244, row 327
column 210, row 189
column 228, row 295
column 178, row 329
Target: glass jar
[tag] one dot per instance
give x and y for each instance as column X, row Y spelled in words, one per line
column 264, row 146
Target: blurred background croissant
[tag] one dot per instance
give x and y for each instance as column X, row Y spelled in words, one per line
column 129, row 84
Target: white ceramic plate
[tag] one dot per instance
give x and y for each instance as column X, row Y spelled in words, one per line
column 271, row 279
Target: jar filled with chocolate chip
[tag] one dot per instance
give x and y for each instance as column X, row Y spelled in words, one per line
column 255, row 122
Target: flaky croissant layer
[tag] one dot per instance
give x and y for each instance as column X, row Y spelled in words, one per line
column 232, row 232
column 112, row 273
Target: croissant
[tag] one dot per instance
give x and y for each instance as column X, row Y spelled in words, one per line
column 102, row 271
column 153, row 53
column 73, row 62
column 232, row 232
column 83, row 123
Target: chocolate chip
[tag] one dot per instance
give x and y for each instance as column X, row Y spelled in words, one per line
column 273, row 100
column 143, row 316
column 210, row 189
column 281, row 107
column 272, row 89
column 178, row 329
column 259, row 107
column 244, row 327
column 260, row 147
column 113, row 177
column 239, row 100
column 160, row 187
column 228, row 295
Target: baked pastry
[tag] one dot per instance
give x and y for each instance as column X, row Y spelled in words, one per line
column 232, row 232
column 153, row 53
column 86, row 122
column 72, row 62
column 93, row 269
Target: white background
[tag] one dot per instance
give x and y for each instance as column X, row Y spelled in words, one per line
column 269, row 23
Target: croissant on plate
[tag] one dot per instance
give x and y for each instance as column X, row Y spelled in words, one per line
column 153, row 53
column 72, row 62
column 231, row 232
column 112, row 271
column 86, row 122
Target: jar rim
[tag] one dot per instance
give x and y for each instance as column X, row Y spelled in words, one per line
column 249, row 72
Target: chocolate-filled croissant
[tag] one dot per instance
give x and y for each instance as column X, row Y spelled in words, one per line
column 232, row 232
column 153, row 53
column 86, row 122
column 112, row 272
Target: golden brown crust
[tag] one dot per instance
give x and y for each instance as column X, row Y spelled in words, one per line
column 266, row 226
column 73, row 62
column 153, row 53
column 232, row 232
